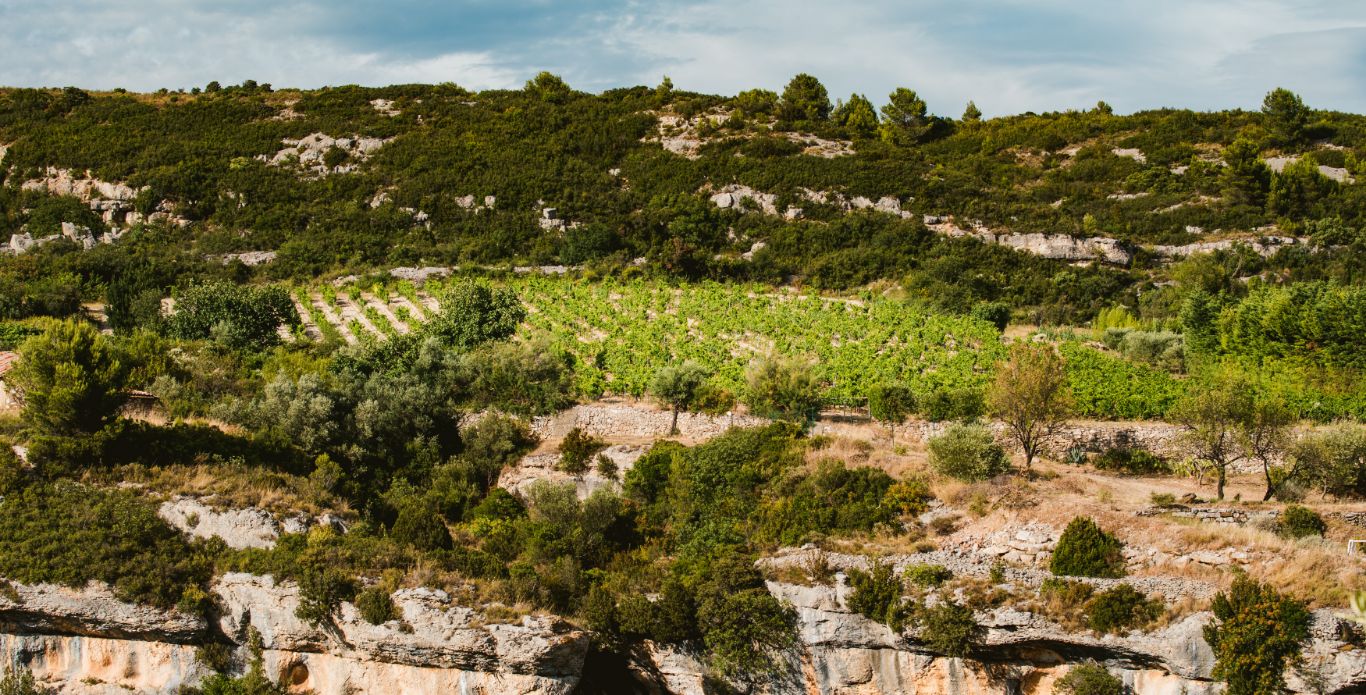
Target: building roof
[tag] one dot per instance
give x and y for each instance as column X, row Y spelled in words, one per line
column 7, row 361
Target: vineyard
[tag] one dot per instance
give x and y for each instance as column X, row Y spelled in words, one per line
column 622, row 332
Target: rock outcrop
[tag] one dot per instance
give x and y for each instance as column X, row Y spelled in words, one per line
column 310, row 153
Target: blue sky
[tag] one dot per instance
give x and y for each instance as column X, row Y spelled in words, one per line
column 1007, row 55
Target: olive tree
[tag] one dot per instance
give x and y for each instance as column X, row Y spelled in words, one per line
column 891, row 403
column 677, row 387
column 1030, row 396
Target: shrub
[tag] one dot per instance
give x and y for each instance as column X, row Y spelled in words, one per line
column 21, row 682
column 11, row 468
column 1162, row 499
column 1088, row 679
column 994, row 313
column 1299, row 522
column 322, row 589
column 783, row 388
column 1257, row 633
column 876, row 595
column 577, row 449
column 947, row 403
column 909, row 497
column 376, row 606
column 928, row 575
column 1121, row 608
column 949, row 629
column 421, row 527
column 606, row 467
column 967, row 452
column 1066, row 593
column 1084, row 550
column 1130, row 461
column 71, row 534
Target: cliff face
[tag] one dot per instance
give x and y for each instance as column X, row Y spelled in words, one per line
column 87, row 642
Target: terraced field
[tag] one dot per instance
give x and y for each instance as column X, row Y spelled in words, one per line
column 623, row 332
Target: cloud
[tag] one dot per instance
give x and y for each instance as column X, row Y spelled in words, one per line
column 1007, row 55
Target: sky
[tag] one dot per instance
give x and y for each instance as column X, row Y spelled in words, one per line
column 1008, row 56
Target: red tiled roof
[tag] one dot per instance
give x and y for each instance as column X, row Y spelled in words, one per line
column 7, row 361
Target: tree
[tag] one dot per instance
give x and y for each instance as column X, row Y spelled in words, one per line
column 1257, row 633
column 892, row 404
column 1030, row 396
column 857, row 115
column 756, row 102
column 1086, row 550
column 949, row 628
column 1199, row 315
column 1297, row 190
column 1286, row 115
column 783, row 388
column 1333, row 460
column 1266, row 434
column 905, row 117
column 804, row 99
column 677, row 387
column 419, row 525
column 549, row 87
column 1246, row 179
column 971, row 114
column 473, row 313
column 1213, row 413
column 236, row 316
column 71, row 380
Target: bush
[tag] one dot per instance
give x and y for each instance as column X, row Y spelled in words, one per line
column 421, row 527
column 71, row 379
column 1130, row 461
column 1065, row 593
column 1088, row 679
column 71, row 534
column 945, row 403
column 949, row 629
column 994, row 313
column 909, row 497
column 21, row 682
column 928, row 575
column 376, row 606
column 577, row 449
column 11, row 469
column 1121, row 608
column 1299, row 522
column 1256, row 633
column 968, row 453
column 876, row 595
column 1084, row 550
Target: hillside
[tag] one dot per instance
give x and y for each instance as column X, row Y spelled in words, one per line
column 416, row 389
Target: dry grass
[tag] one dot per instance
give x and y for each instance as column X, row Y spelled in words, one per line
column 228, row 486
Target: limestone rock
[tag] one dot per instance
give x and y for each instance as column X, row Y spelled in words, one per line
column 239, row 528
column 90, row 611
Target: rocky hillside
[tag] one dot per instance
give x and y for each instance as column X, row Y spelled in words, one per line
column 994, row 555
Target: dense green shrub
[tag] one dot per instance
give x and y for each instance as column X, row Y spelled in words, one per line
column 994, row 313
column 419, row 526
column 1084, row 550
column 948, row 403
column 1131, row 461
column 833, row 499
column 877, row 595
column 1257, row 633
column 72, row 534
column 949, row 629
column 1121, row 608
column 376, row 606
column 1088, row 679
column 928, row 575
column 967, row 452
column 577, row 449
column 1333, row 460
column 1299, row 522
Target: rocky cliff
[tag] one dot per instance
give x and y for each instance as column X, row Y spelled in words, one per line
column 89, row 643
